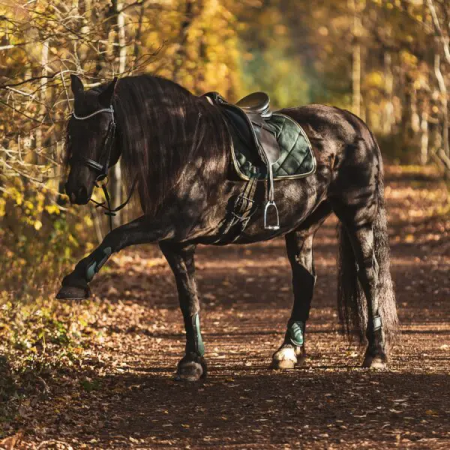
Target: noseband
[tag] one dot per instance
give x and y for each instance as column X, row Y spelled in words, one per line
column 101, row 168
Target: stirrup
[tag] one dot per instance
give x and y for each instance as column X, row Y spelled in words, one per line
column 271, row 204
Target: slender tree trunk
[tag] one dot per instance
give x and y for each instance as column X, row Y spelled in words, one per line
column 415, row 118
column 356, row 56
column 181, row 53
column 442, row 43
column 121, row 38
column 389, row 117
column 406, row 121
column 444, row 103
column 424, row 138
column 137, row 38
column 116, row 172
column 42, row 95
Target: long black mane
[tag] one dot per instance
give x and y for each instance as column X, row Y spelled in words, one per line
column 163, row 128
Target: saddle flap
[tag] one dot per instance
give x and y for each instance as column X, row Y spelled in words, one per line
column 268, row 142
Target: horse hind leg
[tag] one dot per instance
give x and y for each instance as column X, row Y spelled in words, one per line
column 362, row 240
column 366, row 295
column 374, row 313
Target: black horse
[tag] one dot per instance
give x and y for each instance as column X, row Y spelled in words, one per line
column 176, row 147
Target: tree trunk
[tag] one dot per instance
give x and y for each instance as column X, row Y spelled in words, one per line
column 42, row 97
column 442, row 48
column 138, row 35
column 116, row 172
column 389, row 117
column 444, row 103
column 181, row 53
column 424, row 138
column 356, row 56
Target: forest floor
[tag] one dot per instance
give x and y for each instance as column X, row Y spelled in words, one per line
column 119, row 392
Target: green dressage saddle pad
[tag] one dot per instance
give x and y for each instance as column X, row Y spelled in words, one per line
column 296, row 157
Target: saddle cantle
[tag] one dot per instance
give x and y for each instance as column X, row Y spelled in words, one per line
column 256, row 103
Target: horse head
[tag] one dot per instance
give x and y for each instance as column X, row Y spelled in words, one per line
column 90, row 139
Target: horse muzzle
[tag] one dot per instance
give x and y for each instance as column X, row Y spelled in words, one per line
column 78, row 196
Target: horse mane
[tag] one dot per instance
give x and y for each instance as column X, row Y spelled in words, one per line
column 163, row 128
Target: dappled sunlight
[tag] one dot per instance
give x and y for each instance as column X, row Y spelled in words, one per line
column 125, row 343
column 361, row 77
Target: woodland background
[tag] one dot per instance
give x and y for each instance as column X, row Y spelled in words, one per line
column 387, row 61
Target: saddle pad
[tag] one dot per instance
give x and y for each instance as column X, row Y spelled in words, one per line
column 296, row 158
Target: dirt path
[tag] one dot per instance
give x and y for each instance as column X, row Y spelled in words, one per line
column 124, row 395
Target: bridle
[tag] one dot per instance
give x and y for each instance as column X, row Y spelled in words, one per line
column 101, row 168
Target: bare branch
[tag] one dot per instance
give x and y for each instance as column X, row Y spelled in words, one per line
column 29, row 80
column 438, row 30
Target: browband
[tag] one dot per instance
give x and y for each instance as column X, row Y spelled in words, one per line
column 110, row 110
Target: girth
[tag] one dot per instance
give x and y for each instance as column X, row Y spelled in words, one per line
column 239, row 213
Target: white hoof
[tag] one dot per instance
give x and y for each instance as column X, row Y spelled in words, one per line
column 285, row 358
column 376, row 363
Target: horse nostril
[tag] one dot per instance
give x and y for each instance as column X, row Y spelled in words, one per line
column 82, row 193
column 72, row 198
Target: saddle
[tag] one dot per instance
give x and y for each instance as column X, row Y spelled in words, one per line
column 248, row 119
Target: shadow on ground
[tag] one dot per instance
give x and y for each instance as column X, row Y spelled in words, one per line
column 124, row 395
column 256, row 408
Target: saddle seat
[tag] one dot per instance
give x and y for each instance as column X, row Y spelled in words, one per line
column 256, row 103
column 248, row 119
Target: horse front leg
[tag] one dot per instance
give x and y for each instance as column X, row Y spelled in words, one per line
column 299, row 250
column 299, row 247
column 192, row 366
column 140, row 231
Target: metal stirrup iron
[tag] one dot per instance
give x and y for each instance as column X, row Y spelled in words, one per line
column 377, row 323
column 270, row 205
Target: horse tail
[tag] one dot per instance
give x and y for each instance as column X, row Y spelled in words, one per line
column 386, row 293
column 352, row 302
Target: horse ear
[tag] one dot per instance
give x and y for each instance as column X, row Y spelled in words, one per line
column 106, row 97
column 77, row 84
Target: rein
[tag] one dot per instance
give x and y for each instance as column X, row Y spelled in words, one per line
column 102, row 168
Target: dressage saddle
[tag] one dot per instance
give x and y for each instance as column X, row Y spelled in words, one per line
column 248, row 118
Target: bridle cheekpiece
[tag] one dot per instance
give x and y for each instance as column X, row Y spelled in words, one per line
column 101, row 168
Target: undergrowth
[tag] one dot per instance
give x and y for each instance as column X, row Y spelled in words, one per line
column 40, row 342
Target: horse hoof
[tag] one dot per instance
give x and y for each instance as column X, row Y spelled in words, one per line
column 285, row 358
column 374, row 362
column 191, row 369
column 73, row 293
